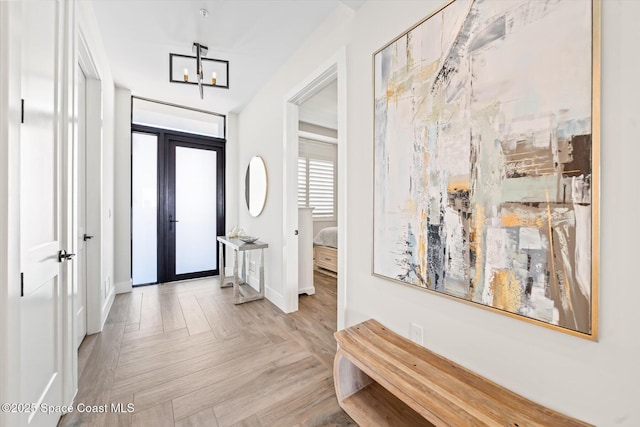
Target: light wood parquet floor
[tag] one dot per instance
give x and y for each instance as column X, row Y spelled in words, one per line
column 185, row 355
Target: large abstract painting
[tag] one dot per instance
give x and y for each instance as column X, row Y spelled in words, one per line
column 486, row 158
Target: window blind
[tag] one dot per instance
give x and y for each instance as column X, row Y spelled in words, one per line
column 317, row 178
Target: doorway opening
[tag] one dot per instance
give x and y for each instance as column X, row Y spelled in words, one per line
column 177, row 205
column 333, row 207
column 317, row 188
column 82, row 232
column 89, row 289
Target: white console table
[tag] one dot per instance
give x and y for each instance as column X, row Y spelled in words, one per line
column 242, row 291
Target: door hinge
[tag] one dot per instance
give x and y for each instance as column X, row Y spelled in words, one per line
column 21, row 284
column 22, row 111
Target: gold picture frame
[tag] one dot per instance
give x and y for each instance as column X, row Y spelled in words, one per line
column 505, row 230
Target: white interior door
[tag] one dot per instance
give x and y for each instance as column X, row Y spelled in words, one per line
column 80, row 285
column 40, row 219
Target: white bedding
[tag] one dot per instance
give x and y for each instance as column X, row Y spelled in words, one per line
column 327, row 237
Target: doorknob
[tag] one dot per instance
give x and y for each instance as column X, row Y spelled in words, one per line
column 86, row 237
column 64, row 256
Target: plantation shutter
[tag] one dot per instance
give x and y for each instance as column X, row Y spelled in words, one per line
column 317, row 178
column 302, row 182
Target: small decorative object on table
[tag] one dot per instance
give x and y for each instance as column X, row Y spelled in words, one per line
column 236, row 232
column 248, row 239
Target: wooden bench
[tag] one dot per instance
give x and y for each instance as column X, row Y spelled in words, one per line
column 383, row 379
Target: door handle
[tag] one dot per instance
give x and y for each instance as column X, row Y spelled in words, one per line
column 64, row 256
column 86, row 237
column 171, row 222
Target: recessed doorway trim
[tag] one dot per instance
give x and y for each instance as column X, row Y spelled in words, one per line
column 334, row 68
column 93, row 159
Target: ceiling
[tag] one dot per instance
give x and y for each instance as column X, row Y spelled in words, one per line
column 255, row 36
column 322, row 108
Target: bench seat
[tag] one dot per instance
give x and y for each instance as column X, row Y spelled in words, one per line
column 383, row 379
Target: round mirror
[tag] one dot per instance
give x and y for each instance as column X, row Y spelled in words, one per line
column 255, row 180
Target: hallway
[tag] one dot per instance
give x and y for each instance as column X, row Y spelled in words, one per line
column 185, row 355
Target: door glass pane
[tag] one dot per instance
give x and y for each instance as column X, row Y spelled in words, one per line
column 195, row 210
column 144, row 208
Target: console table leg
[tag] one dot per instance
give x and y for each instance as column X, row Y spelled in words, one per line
column 221, row 264
column 262, row 272
column 244, row 267
column 236, row 290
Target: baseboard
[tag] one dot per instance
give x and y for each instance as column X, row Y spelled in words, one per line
column 308, row 290
column 124, row 287
column 254, row 281
column 104, row 314
column 72, row 399
column 276, row 298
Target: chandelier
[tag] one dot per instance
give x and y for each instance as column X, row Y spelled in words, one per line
column 199, row 70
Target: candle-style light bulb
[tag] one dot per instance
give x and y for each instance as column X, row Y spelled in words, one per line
column 214, row 77
column 186, row 75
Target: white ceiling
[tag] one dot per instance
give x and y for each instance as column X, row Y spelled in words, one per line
column 322, row 108
column 255, row 36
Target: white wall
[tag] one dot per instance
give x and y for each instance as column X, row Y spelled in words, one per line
column 234, row 195
column 593, row 381
column 101, row 294
column 261, row 134
column 122, row 193
column 320, row 130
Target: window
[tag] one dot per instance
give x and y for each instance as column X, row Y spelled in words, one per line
column 162, row 115
column 317, row 179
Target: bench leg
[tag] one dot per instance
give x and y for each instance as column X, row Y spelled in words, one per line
column 347, row 377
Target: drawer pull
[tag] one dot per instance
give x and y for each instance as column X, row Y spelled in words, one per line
column 327, row 259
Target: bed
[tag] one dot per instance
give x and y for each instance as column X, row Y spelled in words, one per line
column 325, row 250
